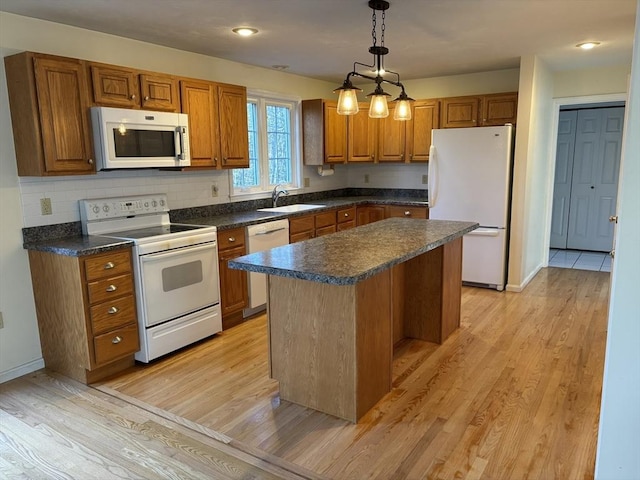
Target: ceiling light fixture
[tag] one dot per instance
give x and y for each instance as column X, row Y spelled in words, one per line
column 348, row 100
column 245, row 31
column 588, row 45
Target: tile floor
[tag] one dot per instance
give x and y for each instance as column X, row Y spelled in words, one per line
column 597, row 261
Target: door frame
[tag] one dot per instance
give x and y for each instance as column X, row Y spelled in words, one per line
column 551, row 166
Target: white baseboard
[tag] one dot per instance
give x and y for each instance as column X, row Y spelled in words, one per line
column 21, row 370
column 520, row 287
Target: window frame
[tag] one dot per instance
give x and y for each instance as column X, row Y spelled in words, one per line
column 262, row 99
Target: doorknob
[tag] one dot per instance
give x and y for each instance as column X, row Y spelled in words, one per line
column 613, row 219
column 612, row 253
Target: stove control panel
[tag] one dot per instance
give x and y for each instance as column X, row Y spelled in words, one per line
column 97, row 209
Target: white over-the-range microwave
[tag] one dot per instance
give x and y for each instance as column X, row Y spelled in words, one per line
column 125, row 138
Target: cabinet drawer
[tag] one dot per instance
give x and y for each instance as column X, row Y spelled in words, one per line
column 325, row 230
column 112, row 314
column 301, row 224
column 407, row 212
column 110, row 264
column 346, row 225
column 117, row 343
column 299, row 237
column 108, row 288
column 325, row 219
column 232, row 238
column 346, row 214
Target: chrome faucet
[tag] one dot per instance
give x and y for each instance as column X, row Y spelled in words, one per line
column 275, row 195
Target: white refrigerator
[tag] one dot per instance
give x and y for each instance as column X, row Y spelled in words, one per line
column 470, row 180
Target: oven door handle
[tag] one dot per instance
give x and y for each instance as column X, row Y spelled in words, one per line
column 178, row 251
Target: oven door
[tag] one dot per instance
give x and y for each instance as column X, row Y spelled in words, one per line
column 177, row 282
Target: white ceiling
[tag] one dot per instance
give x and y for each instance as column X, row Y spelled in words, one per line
column 322, row 38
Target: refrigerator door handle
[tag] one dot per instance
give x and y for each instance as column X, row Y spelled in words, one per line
column 485, row 232
column 432, row 179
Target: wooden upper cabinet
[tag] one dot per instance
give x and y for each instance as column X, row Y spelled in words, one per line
column 49, row 102
column 233, row 126
column 199, row 102
column 460, row 112
column 391, row 138
column 324, row 133
column 499, row 109
column 426, row 117
column 115, row 86
column 362, row 134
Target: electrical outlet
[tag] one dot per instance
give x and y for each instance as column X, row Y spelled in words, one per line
column 307, row 181
column 45, row 206
column 366, row 178
column 425, row 179
column 1, row 321
column 214, row 190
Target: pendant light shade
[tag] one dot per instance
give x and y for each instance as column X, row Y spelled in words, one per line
column 348, row 101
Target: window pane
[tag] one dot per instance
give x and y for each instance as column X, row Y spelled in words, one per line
column 250, row 177
column 279, row 143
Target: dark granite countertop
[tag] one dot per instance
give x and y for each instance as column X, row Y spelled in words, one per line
column 350, row 256
column 78, row 246
column 67, row 239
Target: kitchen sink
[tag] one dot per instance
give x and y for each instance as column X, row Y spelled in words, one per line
column 298, row 207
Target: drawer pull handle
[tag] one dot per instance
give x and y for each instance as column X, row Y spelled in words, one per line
column 407, row 213
column 109, row 265
column 117, row 339
column 112, row 310
column 232, row 239
column 346, row 214
column 111, row 288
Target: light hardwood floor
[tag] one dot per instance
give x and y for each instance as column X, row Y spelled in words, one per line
column 514, row 393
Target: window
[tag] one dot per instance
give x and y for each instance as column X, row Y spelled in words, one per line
column 273, row 146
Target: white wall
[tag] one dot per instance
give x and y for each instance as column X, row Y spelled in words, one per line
column 618, row 455
column 530, row 172
column 604, row 80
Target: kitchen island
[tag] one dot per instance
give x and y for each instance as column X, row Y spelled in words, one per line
column 337, row 304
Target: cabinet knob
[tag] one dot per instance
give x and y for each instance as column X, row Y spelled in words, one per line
column 232, row 239
column 111, row 288
column 410, row 156
column 346, row 214
column 117, row 339
column 109, row 265
column 147, row 97
column 133, row 97
column 407, row 213
column 215, row 159
column 90, row 161
column 112, row 310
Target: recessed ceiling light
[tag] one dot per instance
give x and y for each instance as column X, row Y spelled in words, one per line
column 245, row 31
column 588, row 45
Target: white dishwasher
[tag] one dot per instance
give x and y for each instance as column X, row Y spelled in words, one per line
column 263, row 237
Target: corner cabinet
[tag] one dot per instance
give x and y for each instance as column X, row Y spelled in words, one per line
column 49, row 103
column 234, row 292
column 324, row 133
column 86, row 312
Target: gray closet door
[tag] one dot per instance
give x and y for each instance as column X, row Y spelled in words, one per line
column 562, row 179
column 596, row 167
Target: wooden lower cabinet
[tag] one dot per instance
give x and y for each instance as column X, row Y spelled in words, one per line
column 369, row 214
column 346, row 218
column 310, row 226
column 405, row 211
column 86, row 311
column 234, row 292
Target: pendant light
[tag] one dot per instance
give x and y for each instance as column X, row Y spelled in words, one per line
column 348, row 100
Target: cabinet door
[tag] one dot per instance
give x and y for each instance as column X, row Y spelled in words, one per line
column 114, row 86
column 362, row 136
column 64, row 109
column 391, row 139
column 460, row 112
column 404, row 211
column 335, row 134
column 159, row 92
column 369, row 214
column 426, row 117
column 499, row 109
column 199, row 102
column 234, row 294
column 234, row 133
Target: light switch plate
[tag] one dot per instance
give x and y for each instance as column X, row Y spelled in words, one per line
column 425, row 179
column 45, row 206
column 307, row 181
column 366, row 178
column 1, row 321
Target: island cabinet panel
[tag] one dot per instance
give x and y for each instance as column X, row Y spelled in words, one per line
column 49, row 100
column 234, row 292
column 86, row 312
column 312, row 331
